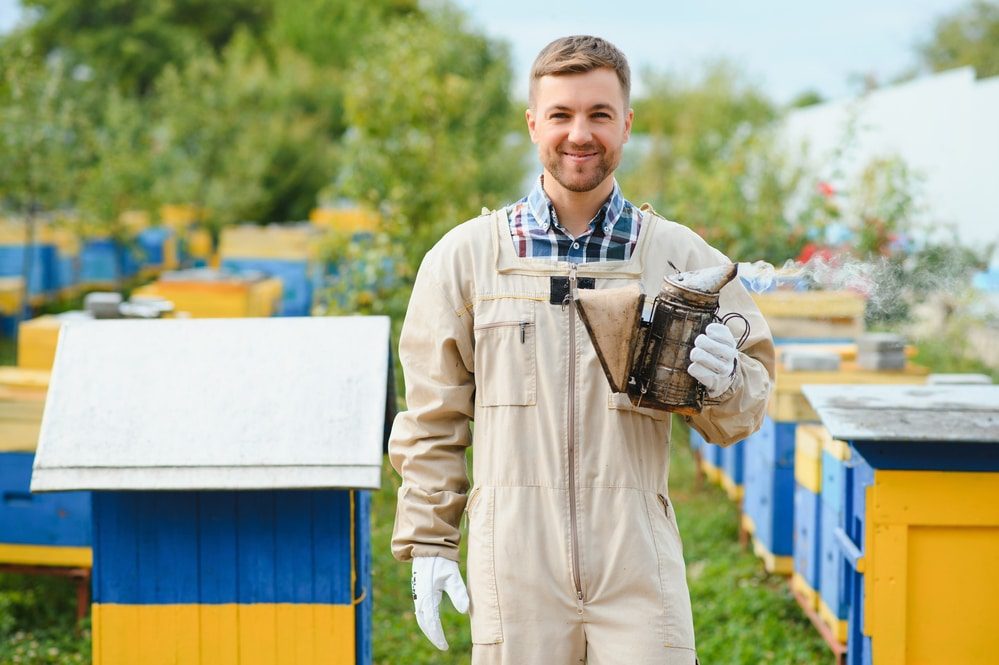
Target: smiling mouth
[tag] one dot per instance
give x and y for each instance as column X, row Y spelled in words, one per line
column 579, row 156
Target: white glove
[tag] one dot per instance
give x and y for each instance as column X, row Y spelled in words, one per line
column 713, row 359
column 431, row 576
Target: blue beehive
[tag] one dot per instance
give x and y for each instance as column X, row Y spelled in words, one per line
column 296, row 280
column 769, row 493
column 103, row 262
column 35, row 529
column 231, row 521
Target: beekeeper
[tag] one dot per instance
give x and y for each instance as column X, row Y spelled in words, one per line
column 574, row 554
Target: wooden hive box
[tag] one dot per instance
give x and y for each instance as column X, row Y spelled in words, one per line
column 231, row 494
column 921, row 526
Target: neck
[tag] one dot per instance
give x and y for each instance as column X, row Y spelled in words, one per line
column 576, row 209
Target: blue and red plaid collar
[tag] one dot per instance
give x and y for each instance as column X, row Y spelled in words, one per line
column 543, row 211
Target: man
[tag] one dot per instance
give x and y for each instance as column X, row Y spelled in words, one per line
column 574, row 553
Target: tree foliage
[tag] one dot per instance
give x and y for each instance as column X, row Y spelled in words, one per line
column 711, row 163
column 130, row 42
column 969, row 36
column 429, row 111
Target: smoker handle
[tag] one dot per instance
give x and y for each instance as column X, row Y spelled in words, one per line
column 735, row 315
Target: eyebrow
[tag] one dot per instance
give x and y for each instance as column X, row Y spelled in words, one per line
column 595, row 107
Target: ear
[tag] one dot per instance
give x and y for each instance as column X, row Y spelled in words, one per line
column 628, row 119
column 531, row 124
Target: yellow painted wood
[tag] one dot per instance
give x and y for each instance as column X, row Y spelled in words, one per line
column 733, row 491
column 284, row 242
column 711, row 472
column 810, row 595
column 778, row 565
column 933, row 544
column 748, row 525
column 179, row 216
column 36, row 342
column 788, row 403
column 810, row 304
column 46, row 555
column 839, row 627
column 349, row 220
column 199, row 244
column 10, row 295
column 838, row 449
column 808, row 456
column 219, row 299
column 261, row 634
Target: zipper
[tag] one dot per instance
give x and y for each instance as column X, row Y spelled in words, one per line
column 506, row 324
column 573, row 532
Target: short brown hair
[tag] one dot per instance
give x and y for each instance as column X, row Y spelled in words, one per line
column 579, row 54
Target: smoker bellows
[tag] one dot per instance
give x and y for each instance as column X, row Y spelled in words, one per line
column 647, row 357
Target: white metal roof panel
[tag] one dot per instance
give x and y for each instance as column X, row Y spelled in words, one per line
column 957, row 413
column 216, row 404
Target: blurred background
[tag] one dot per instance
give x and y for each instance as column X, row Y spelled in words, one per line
column 145, row 146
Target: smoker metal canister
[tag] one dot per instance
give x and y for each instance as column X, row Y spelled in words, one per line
column 685, row 306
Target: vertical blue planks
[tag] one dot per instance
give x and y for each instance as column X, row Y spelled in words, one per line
column 223, row 547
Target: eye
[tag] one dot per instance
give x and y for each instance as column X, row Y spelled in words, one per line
column 602, row 115
column 559, row 116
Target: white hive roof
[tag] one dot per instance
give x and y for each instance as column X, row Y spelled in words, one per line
column 216, row 404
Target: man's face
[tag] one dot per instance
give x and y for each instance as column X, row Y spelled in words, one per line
column 579, row 123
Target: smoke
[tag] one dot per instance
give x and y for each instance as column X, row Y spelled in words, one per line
column 885, row 282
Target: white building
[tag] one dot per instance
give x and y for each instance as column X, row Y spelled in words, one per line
column 945, row 127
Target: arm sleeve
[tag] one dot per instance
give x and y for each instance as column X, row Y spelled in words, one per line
column 739, row 411
column 428, row 440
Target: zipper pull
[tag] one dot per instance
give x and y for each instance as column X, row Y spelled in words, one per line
column 523, row 331
column 571, row 295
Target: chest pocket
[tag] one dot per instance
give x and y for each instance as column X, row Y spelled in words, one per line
column 505, row 353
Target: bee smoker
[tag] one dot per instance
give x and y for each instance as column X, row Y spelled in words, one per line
column 647, row 356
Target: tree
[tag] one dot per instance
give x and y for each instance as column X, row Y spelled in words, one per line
column 968, row 36
column 130, row 42
column 710, row 161
column 40, row 141
column 429, row 112
column 237, row 140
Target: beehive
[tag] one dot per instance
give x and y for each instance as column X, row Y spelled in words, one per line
column 828, row 316
column 35, row 530
column 231, row 521
column 922, row 534
column 216, row 295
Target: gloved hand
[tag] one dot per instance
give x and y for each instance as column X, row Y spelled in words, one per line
column 713, row 359
column 431, row 576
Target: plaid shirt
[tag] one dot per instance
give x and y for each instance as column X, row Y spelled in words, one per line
column 537, row 233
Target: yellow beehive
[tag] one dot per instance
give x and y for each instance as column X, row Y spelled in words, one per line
column 22, row 400
column 788, row 404
column 808, row 446
column 10, row 295
column 297, row 242
column 36, row 342
column 199, row 244
column 224, row 298
column 812, row 314
column 932, row 542
column 178, row 216
column 350, row 220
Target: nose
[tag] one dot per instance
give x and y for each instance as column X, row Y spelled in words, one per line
column 579, row 132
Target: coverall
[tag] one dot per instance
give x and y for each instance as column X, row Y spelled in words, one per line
column 574, row 554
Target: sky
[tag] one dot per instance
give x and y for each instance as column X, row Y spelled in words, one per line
column 787, row 46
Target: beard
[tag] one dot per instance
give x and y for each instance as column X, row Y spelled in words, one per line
column 583, row 177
